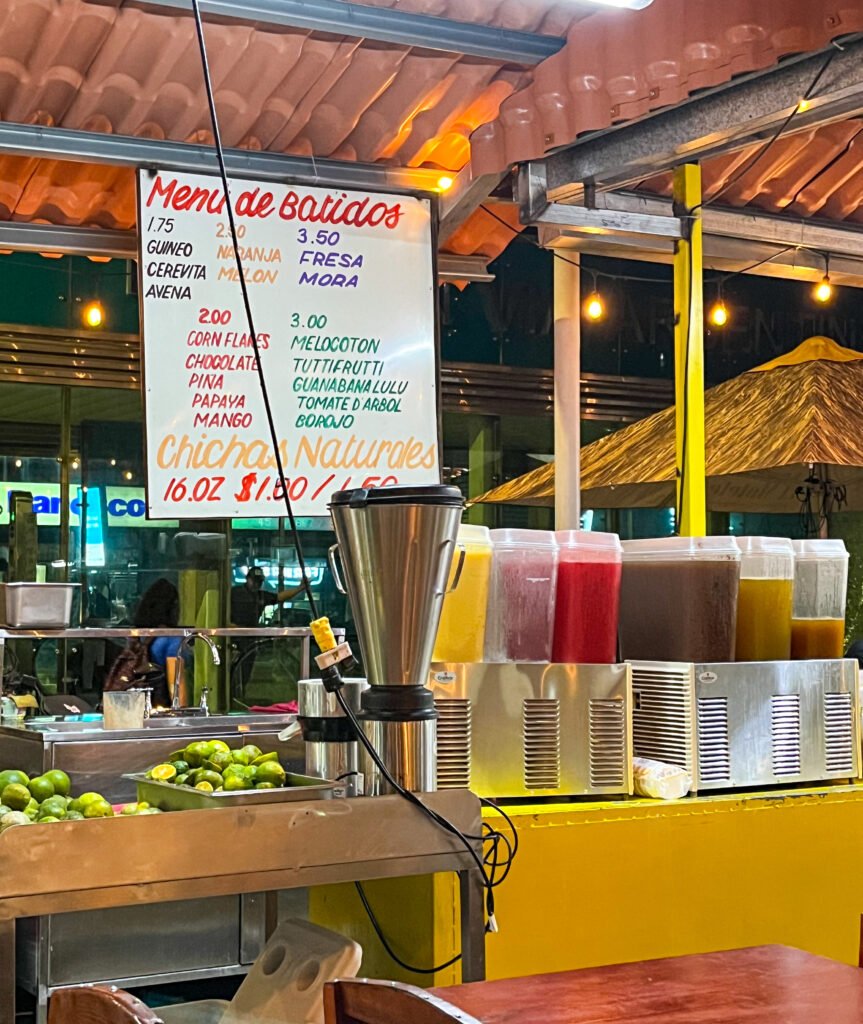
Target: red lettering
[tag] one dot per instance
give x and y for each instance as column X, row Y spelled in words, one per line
column 356, row 213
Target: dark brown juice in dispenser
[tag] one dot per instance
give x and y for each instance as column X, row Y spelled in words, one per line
column 679, row 610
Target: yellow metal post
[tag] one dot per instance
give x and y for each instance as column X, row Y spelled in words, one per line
column 689, row 356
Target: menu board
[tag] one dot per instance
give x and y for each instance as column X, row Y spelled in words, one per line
column 342, row 291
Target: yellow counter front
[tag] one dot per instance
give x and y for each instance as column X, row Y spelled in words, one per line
column 600, row 883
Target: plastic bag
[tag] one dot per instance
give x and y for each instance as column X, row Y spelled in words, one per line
column 659, row 780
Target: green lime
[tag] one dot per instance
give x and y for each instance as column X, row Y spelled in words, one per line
column 219, row 760
column 41, row 788
column 266, row 785
column 204, row 786
column 163, row 773
column 234, row 769
column 48, row 817
column 53, row 807
column 181, row 780
column 16, row 796
column 239, row 757
column 11, row 776
column 251, row 752
column 181, row 766
column 234, row 783
column 196, row 753
column 98, row 809
column 60, row 780
column 74, row 816
column 219, row 745
column 13, row 818
column 128, row 809
column 265, row 758
column 271, row 771
column 250, row 772
column 213, row 778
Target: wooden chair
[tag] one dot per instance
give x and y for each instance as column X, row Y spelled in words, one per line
column 98, row 1004
column 387, row 1002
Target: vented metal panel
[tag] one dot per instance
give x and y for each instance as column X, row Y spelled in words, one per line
column 662, row 714
column 785, row 733
column 607, row 726
column 453, row 743
column 541, row 734
column 714, row 755
column 839, row 733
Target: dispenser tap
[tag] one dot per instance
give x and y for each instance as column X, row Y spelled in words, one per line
column 204, row 706
column 185, row 645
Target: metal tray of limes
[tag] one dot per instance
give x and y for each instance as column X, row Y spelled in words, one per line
column 168, row 797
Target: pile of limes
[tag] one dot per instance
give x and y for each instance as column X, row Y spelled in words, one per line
column 25, row 800
column 213, row 767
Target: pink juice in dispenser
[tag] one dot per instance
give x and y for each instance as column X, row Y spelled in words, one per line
column 521, row 600
column 588, row 598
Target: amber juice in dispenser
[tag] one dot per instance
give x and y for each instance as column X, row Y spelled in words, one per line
column 820, row 590
column 765, row 599
column 461, row 634
column 678, row 599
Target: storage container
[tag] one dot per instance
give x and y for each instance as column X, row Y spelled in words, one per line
column 820, row 590
column 587, row 597
column 521, row 600
column 461, row 633
column 36, row 605
column 678, row 599
column 765, row 599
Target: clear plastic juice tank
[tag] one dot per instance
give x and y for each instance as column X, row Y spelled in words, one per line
column 820, row 590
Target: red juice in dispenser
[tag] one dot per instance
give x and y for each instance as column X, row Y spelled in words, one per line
column 521, row 598
column 588, row 597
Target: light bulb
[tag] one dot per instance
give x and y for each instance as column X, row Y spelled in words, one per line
column 445, row 183
column 113, row 462
column 594, row 308
column 75, row 464
column 719, row 314
column 128, row 474
column 823, row 290
column 803, row 106
column 94, row 315
column 18, row 463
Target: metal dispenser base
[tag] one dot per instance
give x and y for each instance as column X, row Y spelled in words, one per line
column 401, row 724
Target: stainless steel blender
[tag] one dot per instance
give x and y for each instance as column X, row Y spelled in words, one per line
column 396, row 547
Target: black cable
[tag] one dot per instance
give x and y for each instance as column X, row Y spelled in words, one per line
column 747, row 167
column 383, row 940
column 466, row 840
column 274, row 437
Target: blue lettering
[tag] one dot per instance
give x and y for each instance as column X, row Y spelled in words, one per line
column 42, row 504
column 117, row 507
column 137, row 508
column 74, row 506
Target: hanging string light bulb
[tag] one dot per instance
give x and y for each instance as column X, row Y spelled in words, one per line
column 93, row 315
column 719, row 311
column 823, row 291
column 594, row 307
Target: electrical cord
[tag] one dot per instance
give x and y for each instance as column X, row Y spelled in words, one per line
column 274, row 437
column 488, row 868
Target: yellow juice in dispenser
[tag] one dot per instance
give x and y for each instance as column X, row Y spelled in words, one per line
column 764, row 620
column 461, row 634
column 817, row 638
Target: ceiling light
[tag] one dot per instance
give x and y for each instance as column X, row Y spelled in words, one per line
column 18, row 463
column 594, row 308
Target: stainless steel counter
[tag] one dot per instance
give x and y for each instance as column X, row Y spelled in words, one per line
column 134, row 862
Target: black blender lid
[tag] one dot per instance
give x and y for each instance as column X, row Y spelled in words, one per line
column 433, row 494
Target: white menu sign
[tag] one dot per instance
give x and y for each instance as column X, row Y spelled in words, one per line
column 342, row 291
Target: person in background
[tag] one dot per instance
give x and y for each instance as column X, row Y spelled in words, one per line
column 144, row 662
column 249, row 599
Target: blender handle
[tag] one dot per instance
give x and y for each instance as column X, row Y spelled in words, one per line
column 331, row 558
column 461, row 557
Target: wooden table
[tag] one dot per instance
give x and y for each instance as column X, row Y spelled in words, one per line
column 762, row 985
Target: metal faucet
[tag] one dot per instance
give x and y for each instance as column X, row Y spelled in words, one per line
column 185, row 645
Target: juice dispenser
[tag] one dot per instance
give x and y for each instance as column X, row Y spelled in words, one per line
column 765, row 600
column 678, row 599
column 461, row 634
column 587, row 598
column 820, row 589
column 521, row 602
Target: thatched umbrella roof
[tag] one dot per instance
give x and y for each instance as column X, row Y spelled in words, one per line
column 764, row 428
